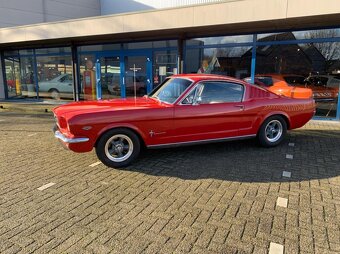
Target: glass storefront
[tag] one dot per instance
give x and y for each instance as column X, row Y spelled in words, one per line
column 296, row 58
column 126, row 70
column 13, row 82
column 164, row 65
column 41, row 73
column 312, row 65
column 55, row 78
column 228, row 61
column 110, row 76
column 300, row 58
column 27, row 77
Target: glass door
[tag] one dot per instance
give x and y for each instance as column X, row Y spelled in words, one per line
column 137, row 76
column 110, row 77
column 124, row 74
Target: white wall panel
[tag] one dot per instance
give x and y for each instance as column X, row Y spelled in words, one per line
column 118, row 6
column 25, row 12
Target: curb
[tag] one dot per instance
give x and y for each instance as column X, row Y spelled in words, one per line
column 26, row 108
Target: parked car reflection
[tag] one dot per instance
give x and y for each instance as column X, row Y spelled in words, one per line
column 324, row 88
column 57, row 88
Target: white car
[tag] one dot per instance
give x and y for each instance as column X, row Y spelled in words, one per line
column 59, row 87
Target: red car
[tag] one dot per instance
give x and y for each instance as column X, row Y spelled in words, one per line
column 184, row 109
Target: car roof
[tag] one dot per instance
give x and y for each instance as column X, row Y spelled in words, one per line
column 198, row 77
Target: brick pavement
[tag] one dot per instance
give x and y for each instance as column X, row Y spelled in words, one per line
column 217, row 198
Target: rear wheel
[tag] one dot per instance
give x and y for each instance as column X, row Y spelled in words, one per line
column 272, row 131
column 118, row 147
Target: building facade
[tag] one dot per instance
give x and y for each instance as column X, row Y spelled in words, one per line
column 296, row 42
column 18, row 12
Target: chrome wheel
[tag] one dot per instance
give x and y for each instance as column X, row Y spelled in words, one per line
column 119, row 148
column 273, row 130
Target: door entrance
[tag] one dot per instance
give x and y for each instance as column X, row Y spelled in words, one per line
column 110, row 76
column 125, row 75
column 136, row 78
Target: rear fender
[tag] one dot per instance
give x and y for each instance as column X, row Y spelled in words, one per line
column 260, row 120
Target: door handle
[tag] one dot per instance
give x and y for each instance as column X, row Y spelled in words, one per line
column 241, row 107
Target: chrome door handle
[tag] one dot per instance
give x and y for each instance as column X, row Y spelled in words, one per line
column 241, row 107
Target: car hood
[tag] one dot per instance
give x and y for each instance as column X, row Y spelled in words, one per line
column 107, row 105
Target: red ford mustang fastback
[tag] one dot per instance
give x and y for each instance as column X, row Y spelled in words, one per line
column 184, row 109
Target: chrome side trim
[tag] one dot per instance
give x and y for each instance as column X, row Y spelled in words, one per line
column 204, row 141
column 62, row 137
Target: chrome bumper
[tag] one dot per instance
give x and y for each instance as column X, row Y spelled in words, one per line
column 63, row 138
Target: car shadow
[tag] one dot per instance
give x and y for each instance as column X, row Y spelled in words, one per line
column 315, row 156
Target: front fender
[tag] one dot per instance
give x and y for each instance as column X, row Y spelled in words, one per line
column 120, row 125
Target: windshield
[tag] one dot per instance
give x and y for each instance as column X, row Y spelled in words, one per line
column 171, row 89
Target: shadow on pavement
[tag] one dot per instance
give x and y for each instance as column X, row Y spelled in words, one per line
column 316, row 156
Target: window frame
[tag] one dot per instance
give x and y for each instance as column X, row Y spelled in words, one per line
column 201, row 82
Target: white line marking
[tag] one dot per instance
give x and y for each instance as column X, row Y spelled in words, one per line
column 283, row 202
column 46, row 186
column 291, row 144
column 31, row 135
column 287, row 174
column 289, row 156
column 276, row 248
column 95, row 164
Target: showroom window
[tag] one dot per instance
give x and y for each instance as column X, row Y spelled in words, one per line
column 230, row 61
column 315, row 65
column 127, row 69
column 164, row 65
column 41, row 73
column 55, row 79
column 296, row 58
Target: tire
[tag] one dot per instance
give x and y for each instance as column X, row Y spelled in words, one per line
column 55, row 94
column 126, row 147
column 272, row 131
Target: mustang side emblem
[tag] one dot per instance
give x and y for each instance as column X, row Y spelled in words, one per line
column 152, row 133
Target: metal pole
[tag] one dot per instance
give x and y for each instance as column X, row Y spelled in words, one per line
column 253, row 60
column 98, row 81
column 134, row 80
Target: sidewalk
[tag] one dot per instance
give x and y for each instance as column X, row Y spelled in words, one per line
column 29, row 107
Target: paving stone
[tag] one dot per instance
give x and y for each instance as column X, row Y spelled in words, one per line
column 218, row 198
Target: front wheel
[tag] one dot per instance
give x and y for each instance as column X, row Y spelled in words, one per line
column 272, row 131
column 118, row 148
column 55, row 94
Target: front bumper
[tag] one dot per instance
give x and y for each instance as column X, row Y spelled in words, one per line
column 67, row 140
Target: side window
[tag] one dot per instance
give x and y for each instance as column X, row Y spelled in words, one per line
column 219, row 92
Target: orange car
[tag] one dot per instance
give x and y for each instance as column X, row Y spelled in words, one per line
column 286, row 85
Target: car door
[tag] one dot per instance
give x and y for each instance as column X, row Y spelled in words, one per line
column 212, row 110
